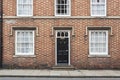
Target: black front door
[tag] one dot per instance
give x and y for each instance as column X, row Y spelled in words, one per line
column 63, row 49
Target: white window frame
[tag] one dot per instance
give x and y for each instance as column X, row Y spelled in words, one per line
column 98, row 53
column 98, row 15
column 16, row 53
column 24, row 15
column 61, row 14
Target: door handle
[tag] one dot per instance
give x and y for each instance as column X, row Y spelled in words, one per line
column 66, row 50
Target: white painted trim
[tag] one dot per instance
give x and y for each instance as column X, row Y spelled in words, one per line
column 30, row 56
column 98, row 15
column 56, row 45
column 23, row 15
column 105, row 53
column 55, row 48
column 105, row 8
column 69, row 48
column 107, row 41
column 17, row 7
column 102, row 56
column 37, row 32
column 62, row 15
column 16, row 43
column 111, row 30
column 90, row 7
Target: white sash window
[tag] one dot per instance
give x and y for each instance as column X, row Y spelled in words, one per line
column 24, row 7
column 98, row 7
column 62, row 7
column 98, row 42
column 24, row 42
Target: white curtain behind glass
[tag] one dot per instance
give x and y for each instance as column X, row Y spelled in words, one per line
column 98, row 7
column 98, row 42
column 25, row 7
column 25, row 42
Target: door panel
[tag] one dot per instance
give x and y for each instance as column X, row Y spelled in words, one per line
column 62, row 50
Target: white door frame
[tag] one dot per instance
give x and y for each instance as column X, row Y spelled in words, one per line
column 56, row 45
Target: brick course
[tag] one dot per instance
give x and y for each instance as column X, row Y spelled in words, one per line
column 45, row 43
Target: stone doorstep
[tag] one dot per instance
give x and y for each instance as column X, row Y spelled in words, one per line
column 63, row 67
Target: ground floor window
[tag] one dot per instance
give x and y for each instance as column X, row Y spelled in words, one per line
column 98, row 42
column 24, row 42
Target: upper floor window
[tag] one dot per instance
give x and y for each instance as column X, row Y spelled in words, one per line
column 98, row 42
column 98, row 7
column 62, row 8
column 24, row 7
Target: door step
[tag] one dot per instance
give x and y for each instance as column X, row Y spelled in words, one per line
column 61, row 67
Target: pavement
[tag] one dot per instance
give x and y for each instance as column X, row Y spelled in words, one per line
column 58, row 73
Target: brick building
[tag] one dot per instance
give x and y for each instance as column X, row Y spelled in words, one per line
column 46, row 33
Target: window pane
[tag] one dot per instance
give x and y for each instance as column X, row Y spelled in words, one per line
column 102, row 1
column 104, row 49
column 62, row 1
column 66, row 2
column 104, row 36
column 58, row 1
column 96, row 36
column 94, row 1
column 92, row 49
column 18, row 50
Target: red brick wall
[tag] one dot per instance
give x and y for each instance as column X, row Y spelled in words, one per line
column 46, row 7
column 45, row 44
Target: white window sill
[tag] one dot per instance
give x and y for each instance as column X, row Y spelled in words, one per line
column 24, row 15
column 24, row 55
column 101, row 56
column 98, row 15
column 62, row 15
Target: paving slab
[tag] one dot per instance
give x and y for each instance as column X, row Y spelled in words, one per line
column 58, row 73
column 75, row 73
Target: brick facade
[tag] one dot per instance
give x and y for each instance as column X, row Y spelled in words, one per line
column 44, row 21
